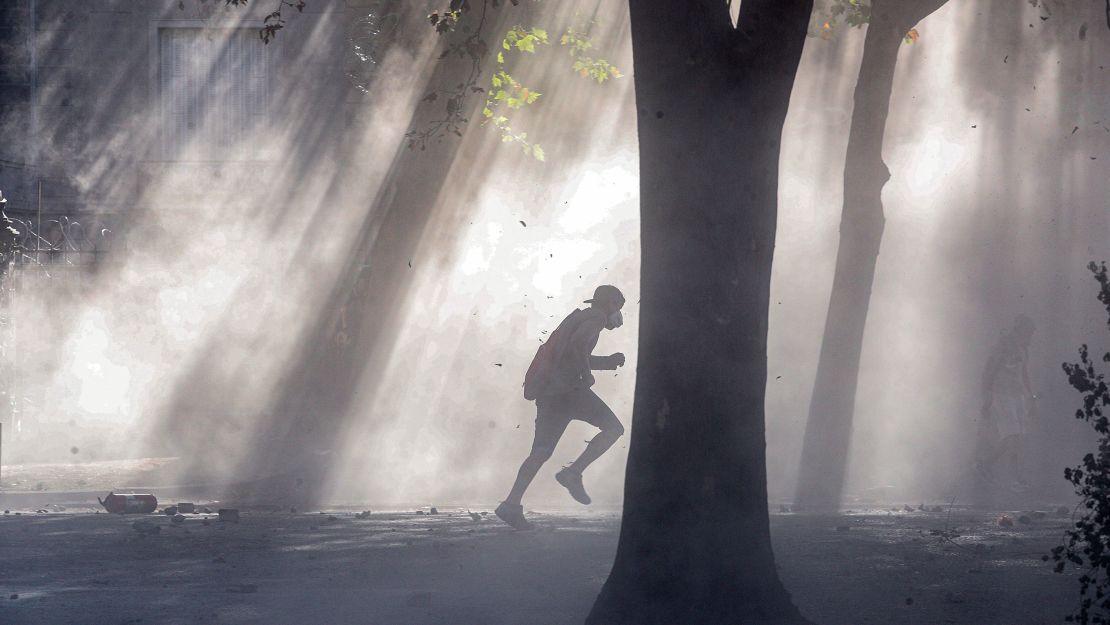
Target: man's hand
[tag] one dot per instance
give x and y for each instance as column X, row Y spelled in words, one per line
column 618, row 359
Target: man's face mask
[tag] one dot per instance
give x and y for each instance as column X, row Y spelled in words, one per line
column 615, row 320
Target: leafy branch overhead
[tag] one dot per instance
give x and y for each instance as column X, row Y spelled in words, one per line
column 274, row 21
column 850, row 13
column 505, row 92
column 504, row 89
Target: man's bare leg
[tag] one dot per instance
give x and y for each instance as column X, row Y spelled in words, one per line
column 571, row 476
column 528, row 470
column 597, row 446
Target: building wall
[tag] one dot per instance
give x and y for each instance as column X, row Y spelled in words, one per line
column 79, row 86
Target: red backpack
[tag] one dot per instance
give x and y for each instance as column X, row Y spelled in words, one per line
column 547, row 356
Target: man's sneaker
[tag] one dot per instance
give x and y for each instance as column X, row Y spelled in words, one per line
column 572, row 481
column 513, row 515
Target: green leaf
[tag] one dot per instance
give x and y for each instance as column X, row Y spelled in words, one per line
column 537, row 152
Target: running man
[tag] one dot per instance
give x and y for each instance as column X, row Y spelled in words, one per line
column 559, row 380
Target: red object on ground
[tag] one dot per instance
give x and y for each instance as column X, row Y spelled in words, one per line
column 129, row 503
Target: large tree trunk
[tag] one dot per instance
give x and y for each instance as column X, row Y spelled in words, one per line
column 695, row 542
column 832, row 405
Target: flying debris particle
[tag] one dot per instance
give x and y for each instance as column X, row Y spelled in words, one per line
column 497, row 364
column 1094, row 158
column 410, row 264
column 518, row 426
column 1005, row 58
column 74, row 450
column 1028, row 110
column 778, row 377
column 1073, row 130
column 1083, row 31
column 974, row 125
column 523, row 224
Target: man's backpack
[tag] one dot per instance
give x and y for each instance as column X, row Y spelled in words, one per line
column 545, row 362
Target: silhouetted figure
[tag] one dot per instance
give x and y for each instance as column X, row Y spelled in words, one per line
column 350, row 313
column 1008, row 406
column 559, row 380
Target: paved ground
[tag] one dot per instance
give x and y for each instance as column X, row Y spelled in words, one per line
column 880, row 567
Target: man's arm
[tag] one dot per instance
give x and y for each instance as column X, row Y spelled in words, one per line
column 603, row 363
column 1028, row 388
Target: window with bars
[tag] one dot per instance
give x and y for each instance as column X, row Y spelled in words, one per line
column 213, row 85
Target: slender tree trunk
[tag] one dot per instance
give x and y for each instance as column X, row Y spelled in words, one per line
column 832, row 405
column 695, row 542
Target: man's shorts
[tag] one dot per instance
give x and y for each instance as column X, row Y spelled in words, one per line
column 554, row 413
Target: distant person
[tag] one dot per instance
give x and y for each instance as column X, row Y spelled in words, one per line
column 1008, row 406
column 350, row 313
column 559, row 380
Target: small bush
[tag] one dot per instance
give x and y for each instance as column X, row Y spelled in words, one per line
column 1087, row 543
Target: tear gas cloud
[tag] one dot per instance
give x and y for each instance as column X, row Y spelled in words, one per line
column 179, row 345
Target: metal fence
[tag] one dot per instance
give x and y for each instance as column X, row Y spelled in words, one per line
column 42, row 256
